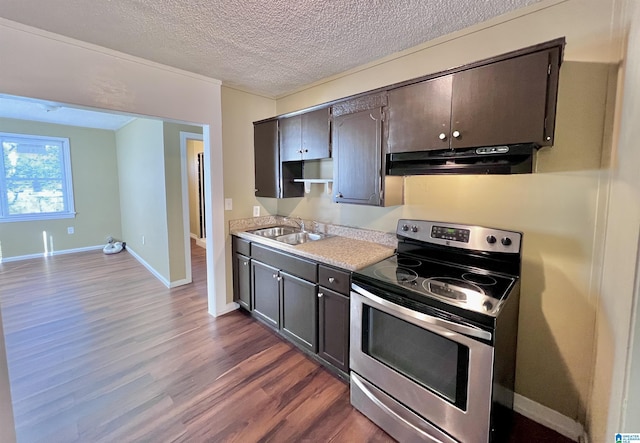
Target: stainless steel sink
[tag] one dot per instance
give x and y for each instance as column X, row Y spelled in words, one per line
column 300, row 237
column 275, row 231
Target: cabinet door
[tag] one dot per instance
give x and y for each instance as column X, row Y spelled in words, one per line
column 299, row 311
column 265, row 288
column 419, row 116
column 315, row 134
column 242, row 281
column 291, row 138
column 334, row 328
column 501, row 103
column 357, row 152
column 267, row 165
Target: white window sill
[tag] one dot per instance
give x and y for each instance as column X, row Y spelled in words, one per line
column 37, row 217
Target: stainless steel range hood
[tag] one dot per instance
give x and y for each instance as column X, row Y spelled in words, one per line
column 513, row 159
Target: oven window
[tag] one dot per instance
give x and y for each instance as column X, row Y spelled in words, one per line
column 437, row 363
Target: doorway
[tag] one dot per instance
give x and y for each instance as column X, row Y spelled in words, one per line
column 193, row 187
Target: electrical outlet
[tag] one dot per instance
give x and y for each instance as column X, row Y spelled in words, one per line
column 143, row 239
column 256, row 211
column 228, row 204
column 70, row 230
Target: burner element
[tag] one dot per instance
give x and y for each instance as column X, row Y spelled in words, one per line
column 479, row 279
column 396, row 274
column 409, row 262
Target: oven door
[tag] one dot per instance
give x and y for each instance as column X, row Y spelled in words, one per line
column 429, row 365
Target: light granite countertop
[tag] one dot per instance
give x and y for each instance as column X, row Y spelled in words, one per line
column 346, row 248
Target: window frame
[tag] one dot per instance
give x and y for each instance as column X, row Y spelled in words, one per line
column 67, row 181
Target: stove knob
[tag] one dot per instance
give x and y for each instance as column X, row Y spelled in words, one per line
column 505, row 241
column 487, row 305
column 491, row 239
column 405, row 228
column 414, row 228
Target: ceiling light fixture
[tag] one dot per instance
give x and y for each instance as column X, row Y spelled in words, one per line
column 50, row 108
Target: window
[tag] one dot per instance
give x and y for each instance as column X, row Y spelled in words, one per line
column 35, row 178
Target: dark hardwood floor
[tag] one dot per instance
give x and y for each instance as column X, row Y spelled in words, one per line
column 100, row 351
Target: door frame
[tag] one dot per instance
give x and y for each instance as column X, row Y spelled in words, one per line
column 184, row 178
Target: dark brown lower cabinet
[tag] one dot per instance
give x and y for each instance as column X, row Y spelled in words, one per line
column 306, row 302
column 265, row 285
column 299, row 311
column 242, row 281
column 333, row 328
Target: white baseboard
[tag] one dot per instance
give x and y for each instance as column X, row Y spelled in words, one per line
column 42, row 255
column 175, row 284
column 94, row 248
column 149, row 268
column 549, row 418
column 167, row 283
column 228, row 308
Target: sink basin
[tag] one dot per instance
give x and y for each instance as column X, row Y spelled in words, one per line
column 300, row 237
column 276, row 231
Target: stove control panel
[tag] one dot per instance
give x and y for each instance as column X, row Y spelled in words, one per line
column 460, row 236
column 448, row 233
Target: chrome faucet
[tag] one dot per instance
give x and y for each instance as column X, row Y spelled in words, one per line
column 298, row 221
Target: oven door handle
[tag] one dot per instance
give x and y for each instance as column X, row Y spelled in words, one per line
column 470, row 331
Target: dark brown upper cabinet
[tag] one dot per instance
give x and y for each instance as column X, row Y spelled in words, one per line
column 357, row 155
column 358, row 159
column 419, row 116
column 265, row 152
column 305, row 136
column 272, row 177
column 506, row 102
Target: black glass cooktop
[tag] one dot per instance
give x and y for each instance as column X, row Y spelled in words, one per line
column 466, row 288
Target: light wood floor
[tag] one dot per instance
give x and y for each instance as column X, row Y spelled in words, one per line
column 100, row 351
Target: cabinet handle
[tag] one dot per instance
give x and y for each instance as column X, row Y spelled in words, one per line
column 279, row 278
column 320, row 294
column 244, row 263
column 275, row 275
column 306, row 150
column 339, row 195
column 299, row 151
column 442, row 136
column 456, row 134
column 331, row 279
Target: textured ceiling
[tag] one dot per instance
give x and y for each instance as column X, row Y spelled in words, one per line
column 268, row 47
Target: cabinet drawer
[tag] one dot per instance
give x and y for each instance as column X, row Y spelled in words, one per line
column 241, row 246
column 299, row 267
column 336, row 279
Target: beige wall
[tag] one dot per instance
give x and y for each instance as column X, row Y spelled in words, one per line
column 141, row 167
column 239, row 111
column 560, row 209
column 173, row 192
column 193, row 148
column 149, row 162
column 95, row 188
column 617, row 376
